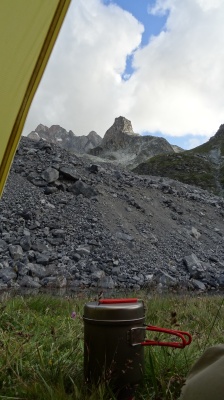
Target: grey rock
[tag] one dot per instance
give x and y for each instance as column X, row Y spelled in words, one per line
column 26, row 232
column 42, row 259
column 149, row 278
column 124, row 236
column 36, row 270
column 165, row 278
column 31, row 255
column 194, row 266
column 55, row 241
column 194, row 232
column 6, row 274
column 84, row 251
column 39, row 246
column 29, row 282
column 59, row 233
column 220, row 281
column 50, row 174
column 69, row 173
column 153, row 239
column 81, row 187
column 39, row 182
column 25, row 243
column 21, row 268
column 106, row 282
column 198, row 284
column 16, row 252
column 93, row 168
column 97, row 275
column 192, row 261
column 116, row 270
column 50, row 190
column 3, row 245
column 76, row 256
column 34, row 136
column 54, row 281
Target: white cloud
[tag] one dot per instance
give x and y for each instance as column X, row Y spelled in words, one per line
column 82, row 85
column 178, row 83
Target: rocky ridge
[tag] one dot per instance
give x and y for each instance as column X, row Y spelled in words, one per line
column 68, row 140
column 121, row 145
column 65, row 222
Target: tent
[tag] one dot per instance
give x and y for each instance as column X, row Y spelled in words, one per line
column 28, row 31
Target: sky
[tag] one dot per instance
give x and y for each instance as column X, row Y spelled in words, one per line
column 158, row 63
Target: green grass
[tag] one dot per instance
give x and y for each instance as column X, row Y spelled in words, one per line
column 41, row 346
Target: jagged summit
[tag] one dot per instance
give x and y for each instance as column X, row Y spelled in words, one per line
column 41, row 128
column 66, row 139
column 122, row 145
column 121, row 124
column 118, row 134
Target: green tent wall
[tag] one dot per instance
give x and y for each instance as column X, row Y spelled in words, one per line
column 28, row 31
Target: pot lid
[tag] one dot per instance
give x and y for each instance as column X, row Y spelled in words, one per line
column 114, row 309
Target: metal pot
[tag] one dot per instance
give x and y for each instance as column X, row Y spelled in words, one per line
column 114, row 340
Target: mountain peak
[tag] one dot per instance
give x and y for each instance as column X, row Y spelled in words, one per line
column 68, row 140
column 118, row 134
column 121, row 124
column 41, row 128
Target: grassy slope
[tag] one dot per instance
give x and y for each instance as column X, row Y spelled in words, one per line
column 193, row 166
column 41, row 347
column 185, row 167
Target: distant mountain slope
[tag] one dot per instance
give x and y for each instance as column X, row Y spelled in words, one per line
column 202, row 166
column 67, row 140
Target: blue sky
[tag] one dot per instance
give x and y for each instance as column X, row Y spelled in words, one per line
column 158, row 63
column 153, row 24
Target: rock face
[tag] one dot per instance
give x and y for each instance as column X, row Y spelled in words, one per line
column 118, row 135
column 100, row 226
column 68, row 140
column 121, row 144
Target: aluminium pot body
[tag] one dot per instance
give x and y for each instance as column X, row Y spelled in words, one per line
column 109, row 353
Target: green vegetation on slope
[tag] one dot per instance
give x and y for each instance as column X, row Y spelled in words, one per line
column 185, row 167
column 41, row 347
column 202, row 166
column 216, row 142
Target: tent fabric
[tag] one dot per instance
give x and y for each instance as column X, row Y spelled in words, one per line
column 28, row 31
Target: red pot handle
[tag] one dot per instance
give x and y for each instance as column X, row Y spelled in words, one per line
column 185, row 337
column 117, row 301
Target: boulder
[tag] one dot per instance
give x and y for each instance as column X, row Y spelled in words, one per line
column 81, row 187
column 50, row 175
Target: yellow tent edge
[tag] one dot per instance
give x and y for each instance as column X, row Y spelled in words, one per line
column 31, row 89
